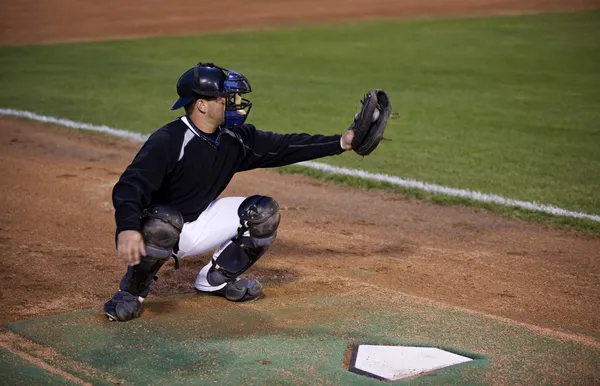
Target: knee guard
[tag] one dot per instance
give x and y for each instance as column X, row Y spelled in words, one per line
column 259, row 220
column 259, row 215
column 161, row 227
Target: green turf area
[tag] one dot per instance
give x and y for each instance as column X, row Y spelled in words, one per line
column 15, row 370
column 505, row 105
column 191, row 340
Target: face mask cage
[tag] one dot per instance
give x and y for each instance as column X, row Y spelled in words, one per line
column 237, row 108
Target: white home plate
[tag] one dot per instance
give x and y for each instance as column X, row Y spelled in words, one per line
column 393, row 363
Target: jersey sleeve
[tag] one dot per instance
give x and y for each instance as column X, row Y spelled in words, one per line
column 133, row 192
column 264, row 149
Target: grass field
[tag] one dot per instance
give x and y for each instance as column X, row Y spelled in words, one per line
column 505, row 105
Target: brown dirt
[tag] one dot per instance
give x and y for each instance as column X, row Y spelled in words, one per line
column 56, row 223
column 29, row 21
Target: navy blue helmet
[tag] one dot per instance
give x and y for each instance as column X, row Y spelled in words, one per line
column 207, row 81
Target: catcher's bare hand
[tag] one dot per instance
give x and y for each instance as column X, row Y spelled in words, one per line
column 130, row 247
column 346, row 142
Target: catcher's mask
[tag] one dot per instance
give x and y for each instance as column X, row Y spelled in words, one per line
column 207, row 80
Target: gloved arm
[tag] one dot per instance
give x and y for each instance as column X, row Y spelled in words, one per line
column 265, row 149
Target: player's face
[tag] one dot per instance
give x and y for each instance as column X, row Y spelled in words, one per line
column 216, row 110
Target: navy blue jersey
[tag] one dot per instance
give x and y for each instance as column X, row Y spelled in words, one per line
column 186, row 169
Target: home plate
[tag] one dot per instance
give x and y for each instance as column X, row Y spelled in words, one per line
column 393, row 363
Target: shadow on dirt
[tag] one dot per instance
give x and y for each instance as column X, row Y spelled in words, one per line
column 172, row 282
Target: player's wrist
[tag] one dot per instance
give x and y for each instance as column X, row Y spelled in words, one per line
column 346, row 141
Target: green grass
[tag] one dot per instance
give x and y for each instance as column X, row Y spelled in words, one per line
column 504, row 105
column 583, row 225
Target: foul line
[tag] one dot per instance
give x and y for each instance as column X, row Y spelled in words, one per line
column 432, row 188
column 406, row 183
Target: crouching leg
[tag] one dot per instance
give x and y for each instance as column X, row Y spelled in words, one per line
column 161, row 227
column 259, row 220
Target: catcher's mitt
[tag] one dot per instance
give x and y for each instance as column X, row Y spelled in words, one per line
column 370, row 122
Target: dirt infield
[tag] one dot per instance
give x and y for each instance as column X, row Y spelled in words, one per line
column 28, row 21
column 56, row 226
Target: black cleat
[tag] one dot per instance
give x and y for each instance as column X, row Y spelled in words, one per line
column 122, row 307
column 241, row 290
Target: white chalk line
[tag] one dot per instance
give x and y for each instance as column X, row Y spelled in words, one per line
column 407, row 183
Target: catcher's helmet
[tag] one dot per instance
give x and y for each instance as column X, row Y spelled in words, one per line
column 206, row 80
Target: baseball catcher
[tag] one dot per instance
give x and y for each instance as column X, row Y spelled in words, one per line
column 166, row 202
